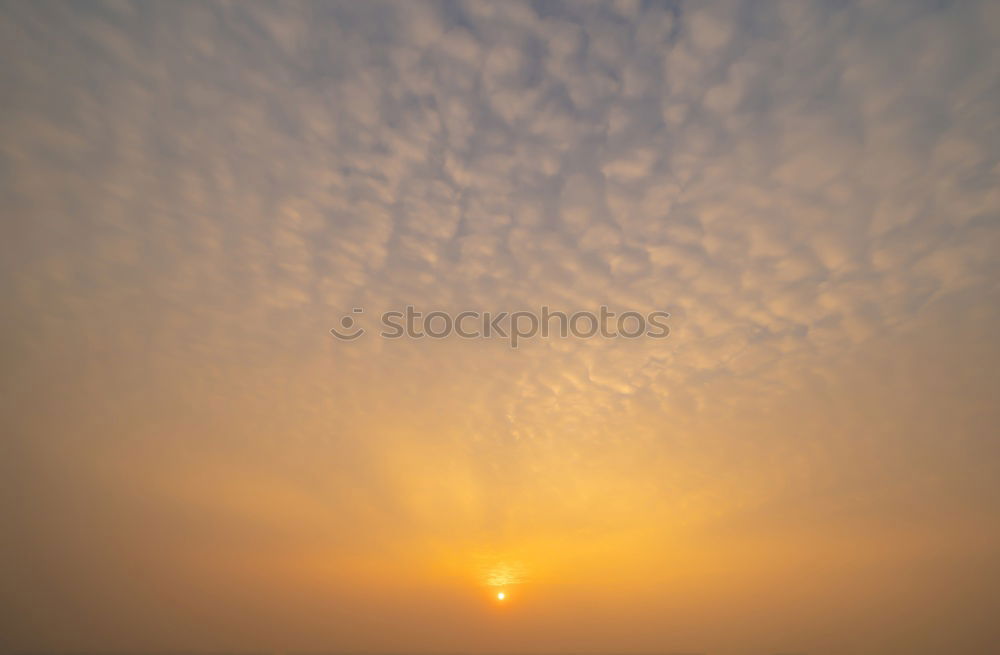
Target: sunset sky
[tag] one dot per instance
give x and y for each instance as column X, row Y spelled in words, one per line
column 193, row 194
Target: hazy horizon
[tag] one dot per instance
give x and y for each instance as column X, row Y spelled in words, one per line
column 194, row 194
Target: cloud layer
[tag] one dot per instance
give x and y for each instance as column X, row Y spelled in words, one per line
column 194, row 194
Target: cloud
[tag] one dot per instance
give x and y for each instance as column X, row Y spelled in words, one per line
column 194, row 194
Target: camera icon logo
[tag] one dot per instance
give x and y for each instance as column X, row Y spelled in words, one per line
column 347, row 323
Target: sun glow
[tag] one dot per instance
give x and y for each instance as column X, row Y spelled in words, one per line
column 501, row 595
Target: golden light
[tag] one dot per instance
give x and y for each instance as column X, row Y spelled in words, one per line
column 501, row 596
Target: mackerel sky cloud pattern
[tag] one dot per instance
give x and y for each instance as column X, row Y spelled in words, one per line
column 194, row 193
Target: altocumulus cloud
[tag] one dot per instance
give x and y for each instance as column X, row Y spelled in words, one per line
column 194, row 193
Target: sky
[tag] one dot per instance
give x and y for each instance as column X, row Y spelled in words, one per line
column 193, row 194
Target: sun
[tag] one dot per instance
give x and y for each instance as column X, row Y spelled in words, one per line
column 501, row 595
